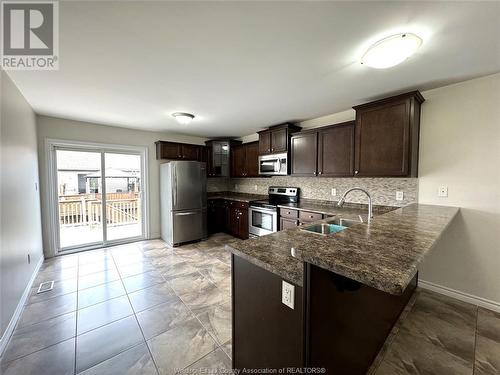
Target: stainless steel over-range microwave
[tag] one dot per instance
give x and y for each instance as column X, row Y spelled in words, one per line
column 276, row 164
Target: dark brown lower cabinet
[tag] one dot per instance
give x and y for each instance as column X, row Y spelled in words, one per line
column 348, row 322
column 227, row 216
column 216, row 220
column 288, row 223
column 337, row 323
column 266, row 333
column 238, row 221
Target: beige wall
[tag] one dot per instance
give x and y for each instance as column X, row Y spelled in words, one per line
column 50, row 127
column 460, row 148
column 20, row 223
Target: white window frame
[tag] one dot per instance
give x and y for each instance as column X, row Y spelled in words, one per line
column 52, row 199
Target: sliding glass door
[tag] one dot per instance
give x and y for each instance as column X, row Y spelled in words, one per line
column 123, row 190
column 93, row 213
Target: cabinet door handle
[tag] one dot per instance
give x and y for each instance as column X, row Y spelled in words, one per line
column 311, row 216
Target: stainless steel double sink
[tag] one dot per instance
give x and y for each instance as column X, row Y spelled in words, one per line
column 331, row 226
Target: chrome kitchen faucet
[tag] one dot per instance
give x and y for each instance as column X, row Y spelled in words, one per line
column 370, row 207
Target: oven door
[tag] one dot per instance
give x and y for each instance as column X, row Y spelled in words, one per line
column 262, row 221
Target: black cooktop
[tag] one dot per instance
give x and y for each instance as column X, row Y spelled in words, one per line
column 278, row 195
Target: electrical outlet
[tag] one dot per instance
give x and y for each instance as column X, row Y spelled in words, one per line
column 400, row 195
column 443, row 191
column 334, row 192
column 288, row 294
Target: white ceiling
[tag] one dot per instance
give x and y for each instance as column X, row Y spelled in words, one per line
column 242, row 66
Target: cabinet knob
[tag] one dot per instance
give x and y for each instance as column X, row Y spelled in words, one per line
column 311, row 216
column 356, row 172
column 320, row 172
column 314, row 173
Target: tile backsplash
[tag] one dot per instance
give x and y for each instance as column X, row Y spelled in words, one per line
column 382, row 190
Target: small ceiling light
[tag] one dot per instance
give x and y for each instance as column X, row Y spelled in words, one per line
column 183, row 118
column 391, row 51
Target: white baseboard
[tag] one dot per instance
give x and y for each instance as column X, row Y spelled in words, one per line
column 154, row 236
column 4, row 340
column 461, row 296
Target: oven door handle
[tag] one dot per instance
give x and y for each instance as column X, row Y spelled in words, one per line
column 265, row 210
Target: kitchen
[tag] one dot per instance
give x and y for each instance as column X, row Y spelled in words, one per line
column 294, row 247
column 280, row 187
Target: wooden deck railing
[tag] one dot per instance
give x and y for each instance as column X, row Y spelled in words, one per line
column 121, row 208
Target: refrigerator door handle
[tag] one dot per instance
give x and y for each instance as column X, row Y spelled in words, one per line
column 186, row 213
column 174, row 171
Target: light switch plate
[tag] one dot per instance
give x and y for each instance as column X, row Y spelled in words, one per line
column 334, row 192
column 288, row 294
column 443, row 191
column 400, row 195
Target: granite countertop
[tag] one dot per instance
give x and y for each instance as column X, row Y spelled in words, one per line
column 384, row 254
column 239, row 197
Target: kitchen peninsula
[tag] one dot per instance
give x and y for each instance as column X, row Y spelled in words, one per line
column 348, row 289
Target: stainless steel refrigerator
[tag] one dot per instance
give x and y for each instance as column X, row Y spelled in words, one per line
column 183, row 196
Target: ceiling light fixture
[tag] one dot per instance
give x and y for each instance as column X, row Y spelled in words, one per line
column 391, row 51
column 183, row 118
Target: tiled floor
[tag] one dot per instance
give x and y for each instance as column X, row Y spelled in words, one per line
column 144, row 308
column 141, row 308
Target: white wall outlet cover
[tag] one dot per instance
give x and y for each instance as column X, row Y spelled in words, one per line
column 400, row 195
column 288, row 294
column 334, row 192
column 443, row 191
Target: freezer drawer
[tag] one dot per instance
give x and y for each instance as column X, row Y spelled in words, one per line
column 189, row 226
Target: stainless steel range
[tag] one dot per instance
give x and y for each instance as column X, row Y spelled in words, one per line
column 263, row 215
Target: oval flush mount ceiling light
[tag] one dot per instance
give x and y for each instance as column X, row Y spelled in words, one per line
column 183, row 118
column 391, row 51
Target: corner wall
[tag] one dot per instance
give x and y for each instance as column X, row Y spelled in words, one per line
column 460, row 148
column 20, row 223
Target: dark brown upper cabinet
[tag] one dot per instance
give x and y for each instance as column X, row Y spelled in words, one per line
column 326, row 152
column 191, row 152
column 252, row 159
column 245, row 160
column 265, row 142
column 387, row 136
column 276, row 139
column 238, row 161
column 336, row 150
column 304, row 147
column 178, row 151
column 219, row 157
